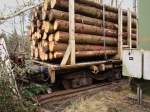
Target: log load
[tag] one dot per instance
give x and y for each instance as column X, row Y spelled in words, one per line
column 99, row 6
column 91, row 12
column 94, row 38
column 88, row 39
column 63, row 25
column 92, row 4
column 57, row 14
column 83, row 54
column 63, row 46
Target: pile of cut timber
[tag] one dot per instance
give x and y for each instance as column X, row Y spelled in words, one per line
column 49, row 31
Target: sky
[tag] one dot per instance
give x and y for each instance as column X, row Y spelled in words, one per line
column 8, row 6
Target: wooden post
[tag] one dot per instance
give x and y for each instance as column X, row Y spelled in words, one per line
column 104, row 33
column 70, row 52
column 120, row 25
column 114, row 2
column 52, row 74
column 137, row 33
column 129, row 29
column 72, row 29
column 135, row 6
column 139, row 94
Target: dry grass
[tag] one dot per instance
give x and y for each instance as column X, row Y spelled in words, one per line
column 106, row 101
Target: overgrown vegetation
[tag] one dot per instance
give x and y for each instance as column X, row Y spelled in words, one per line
column 28, row 81
column 34, row 89
column 16, row 44
column 9, row 100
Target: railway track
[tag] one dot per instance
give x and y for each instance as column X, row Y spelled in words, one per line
column 85, row 91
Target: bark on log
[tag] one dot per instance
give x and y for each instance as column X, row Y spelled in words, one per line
column 63, row 37
column 100, row 6
column 81, row 54
column 57, row 14
column 63, row 25
column 89, row 11
column 85, row 39
column 63, row 46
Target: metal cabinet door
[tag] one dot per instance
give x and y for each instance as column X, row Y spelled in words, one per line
column 132, row 63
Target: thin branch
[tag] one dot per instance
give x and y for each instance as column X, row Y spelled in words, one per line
column 17, row 13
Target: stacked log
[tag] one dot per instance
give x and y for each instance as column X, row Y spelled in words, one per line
column 49, row 30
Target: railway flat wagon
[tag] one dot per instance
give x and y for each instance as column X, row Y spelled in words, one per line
column 81, row 40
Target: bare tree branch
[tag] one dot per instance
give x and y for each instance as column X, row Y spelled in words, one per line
column 18, row 12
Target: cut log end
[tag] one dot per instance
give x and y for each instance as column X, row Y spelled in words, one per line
column 53, row 3
column 47, row 27
column 44, row 36
column 50, row 56
column 55, row 25
column 56, row 37
column 36, row 53
column 46, row 4
column 51, row 16
column 50, row 37
column 51, row 46
column 44, row 14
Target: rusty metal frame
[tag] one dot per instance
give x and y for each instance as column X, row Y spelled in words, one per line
column 69, row 59
column 52, row 68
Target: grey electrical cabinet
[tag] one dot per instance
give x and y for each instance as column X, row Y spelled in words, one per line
column 136, row 63
column 146, row 65
column 132, row 63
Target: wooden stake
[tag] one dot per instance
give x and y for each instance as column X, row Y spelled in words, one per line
column 129, row 29
column 120, row 39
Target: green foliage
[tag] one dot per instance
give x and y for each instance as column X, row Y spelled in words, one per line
column 34, row 89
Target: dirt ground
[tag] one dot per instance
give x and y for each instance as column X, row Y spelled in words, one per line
column 111, row 100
